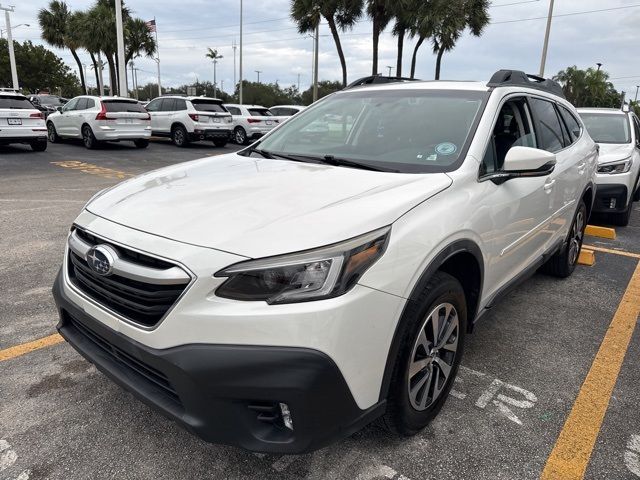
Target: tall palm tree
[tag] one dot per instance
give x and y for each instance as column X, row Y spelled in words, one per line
column 380, row 13
column 339, row 14
column 425, row 15
column 100, row 36
column 404, row 13
column 214, row 56
column 453, row 18
column 54, row 23
column 138, row 40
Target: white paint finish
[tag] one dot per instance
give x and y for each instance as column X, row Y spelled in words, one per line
column 503, row 402
column 7, row 455
column 632, row 455
column 526, row 158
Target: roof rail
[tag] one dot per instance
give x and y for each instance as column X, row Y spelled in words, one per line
column 378, row 79
column 505, row 78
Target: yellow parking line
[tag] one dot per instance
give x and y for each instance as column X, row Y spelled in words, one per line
column 602, row 232
column 615, row 252
column 570, row 455
column 13, row 352
column 91, row 169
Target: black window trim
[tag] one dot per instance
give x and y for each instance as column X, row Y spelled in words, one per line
column 536, row 120
column 576, row 117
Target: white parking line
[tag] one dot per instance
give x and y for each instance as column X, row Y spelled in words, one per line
column 8, row 457
column 632, row 455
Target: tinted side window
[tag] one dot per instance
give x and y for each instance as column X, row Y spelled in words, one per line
column 550, row 130
column 168, row 105
column 91, row 103
column 179, row 105
column 82, row 104
column 123, row 106
column 154, row 106
column 570, row 121
column 636, row 128
column 234, row 110
column 278, row 112
column 71, row 104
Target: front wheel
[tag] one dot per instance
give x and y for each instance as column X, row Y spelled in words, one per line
column 179, row 136
column 142, row 143
column 431, row 347
column 564, row 262
column 88, row 138
column 52, row 134
column 240, row 136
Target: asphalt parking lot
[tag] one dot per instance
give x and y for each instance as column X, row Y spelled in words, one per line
column 520, row 410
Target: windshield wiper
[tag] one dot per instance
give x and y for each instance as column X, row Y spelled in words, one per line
column 343, row 162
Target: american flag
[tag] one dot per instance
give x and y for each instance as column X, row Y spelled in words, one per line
column 151, row 25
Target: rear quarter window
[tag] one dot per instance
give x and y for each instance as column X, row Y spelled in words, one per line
column 15, row 102
column 208, row 106
column 260, row 112
column 122, row 106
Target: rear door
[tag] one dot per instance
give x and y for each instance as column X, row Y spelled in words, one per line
column 126, row 115
column 18, row 117
column 154, row 111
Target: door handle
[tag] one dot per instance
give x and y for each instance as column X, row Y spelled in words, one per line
column 581, row 166
column 549, row 185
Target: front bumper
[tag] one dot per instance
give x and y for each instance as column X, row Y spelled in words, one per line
column 611, row 198
column 223, row 393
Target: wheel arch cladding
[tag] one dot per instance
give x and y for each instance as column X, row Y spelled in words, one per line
column 588, row 198
column 175, row 125
column 461, row 259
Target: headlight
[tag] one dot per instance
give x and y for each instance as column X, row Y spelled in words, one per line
column 620, row 166
column 311, row 275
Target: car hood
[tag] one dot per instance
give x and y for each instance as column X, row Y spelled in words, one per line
column 258, row 207
column 610, row 152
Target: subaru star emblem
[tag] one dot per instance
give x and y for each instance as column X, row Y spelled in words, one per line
column 100, row 259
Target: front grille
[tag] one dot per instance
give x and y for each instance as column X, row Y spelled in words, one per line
column 138, row 301
column 150, row 375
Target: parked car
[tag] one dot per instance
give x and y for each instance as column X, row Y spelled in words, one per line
column 250, row 122
column 617, row 133
column 100, row 119
column 284, row 112
column 282, row 297
column 21, row 122
column 46, row 103
column 189, row 119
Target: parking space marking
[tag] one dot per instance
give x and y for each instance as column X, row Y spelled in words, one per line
column 632, row 455
column 13, row 352
column 8, row 457
column 91, row 169
column 503, row 402
column 574, row 446
column 615, row 252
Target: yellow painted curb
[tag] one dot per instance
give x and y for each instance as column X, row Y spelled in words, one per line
column 602, row 232
column 587, row 257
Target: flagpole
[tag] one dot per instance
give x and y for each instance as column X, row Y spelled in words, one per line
column 157, row 57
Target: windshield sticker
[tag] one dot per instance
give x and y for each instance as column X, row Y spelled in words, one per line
column 446, row 148
column 432, row 158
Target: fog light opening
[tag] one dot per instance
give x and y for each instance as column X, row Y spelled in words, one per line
column 286, row 416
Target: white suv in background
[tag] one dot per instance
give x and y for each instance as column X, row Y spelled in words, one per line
column 189, row 119
column 282, row 297
column 21, row 122
column 617, row 133
column 250, row 122
column 285, row 112
column 100, row 119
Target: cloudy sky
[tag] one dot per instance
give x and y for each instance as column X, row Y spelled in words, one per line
column 583, row 33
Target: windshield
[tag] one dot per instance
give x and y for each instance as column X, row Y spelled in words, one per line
column 208, row 106
column 50, row 100
column 410, row 131
column 607, row 127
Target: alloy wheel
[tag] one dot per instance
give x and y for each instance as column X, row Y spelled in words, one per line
column 433, row 356
column 577, row 232
column 51, row 132
column 178, row 137
column 240, row 136
column 86, row 137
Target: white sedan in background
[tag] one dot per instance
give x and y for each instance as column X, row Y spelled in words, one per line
column 100, row 119
column 250, row 122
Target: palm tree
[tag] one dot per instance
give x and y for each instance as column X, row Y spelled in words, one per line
column 453, row 18
column 214, row 56
column 423, row 26
column 404, row 12
column 54, row 23
column 380, row 13
column 339, row 14
column 138, row 40
column 99, row 35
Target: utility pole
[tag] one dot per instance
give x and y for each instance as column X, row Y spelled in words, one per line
column 298, row 82
column 100, row 79
column 240, row 89
column 122, row 66
column 545, row 47
column 86, row 79
column 315, row 61
column 155, row 29
column 234, row 45
column 636, row 99
column 389, row 67
column 12, row 55
column 258, row 72
column 222, row 85
column 215, row 80
column 133, row 83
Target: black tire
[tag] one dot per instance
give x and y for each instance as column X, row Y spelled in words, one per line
column 240, row 136
column 564, row 262
column 636, row 196
column 39, row 146
column 220, row 143
column 52, row 133
column 141, row 143
column 179, row 136
column 88, row 138
column 622, row 219
column 402, row 416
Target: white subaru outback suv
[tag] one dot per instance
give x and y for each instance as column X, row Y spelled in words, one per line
column 21, row 122
column 284, row 296
column 190, row 119
column 617, row 133
column 101, row 119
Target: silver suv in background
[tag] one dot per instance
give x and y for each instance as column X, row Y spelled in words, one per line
column 21, row 122
column 250, row 122
column 190, row 119
column 618, row 135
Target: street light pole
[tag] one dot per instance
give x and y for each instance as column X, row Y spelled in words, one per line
column 122, row 67
column 235, row 47
column 315, row 61
column 86, row 84
column 258, row 72
column 545, row 47
column 215, row 79
column 599, row 65
column 389, row 67
column 240, row 89
column 636, row 99
column 12, row 55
